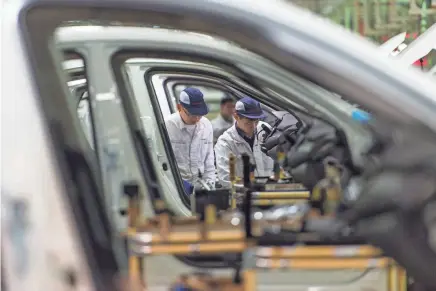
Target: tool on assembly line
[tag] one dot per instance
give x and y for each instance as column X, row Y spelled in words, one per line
column 279, row 174
column 203, row 184
column 326, row 194
column 136, row 267
column 267, row 191
column 261, row 239
column 279, row 189
column 275, row 238
column 203, row 195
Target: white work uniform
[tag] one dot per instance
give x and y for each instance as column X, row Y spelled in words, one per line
column 193, row 148
column 232, row 142
column 220, row 125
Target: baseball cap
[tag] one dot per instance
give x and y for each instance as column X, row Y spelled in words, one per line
column 249, row 108
column 192, row 99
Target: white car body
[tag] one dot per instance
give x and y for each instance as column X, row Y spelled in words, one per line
column 37, row 177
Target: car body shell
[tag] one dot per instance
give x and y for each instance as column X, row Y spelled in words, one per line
column 289, row 36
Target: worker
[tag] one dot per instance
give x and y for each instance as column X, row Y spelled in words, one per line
column 225, row 119
column 243, row 137
column 191, row 137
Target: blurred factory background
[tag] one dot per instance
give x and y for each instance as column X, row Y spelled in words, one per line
column 379, row 20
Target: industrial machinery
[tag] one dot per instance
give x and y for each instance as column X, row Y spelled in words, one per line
column 371, row 180
column 283, row 238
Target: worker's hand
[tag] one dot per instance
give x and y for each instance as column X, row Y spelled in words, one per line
column 188, row 187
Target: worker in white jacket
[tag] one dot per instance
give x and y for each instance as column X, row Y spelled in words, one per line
column 243, row 137
column 191, row 137
column 225, row 119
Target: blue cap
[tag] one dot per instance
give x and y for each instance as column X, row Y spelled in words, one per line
column 360, row 116
column 249, row 108
column 192, row 99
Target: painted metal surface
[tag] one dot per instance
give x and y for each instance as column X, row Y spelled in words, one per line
column 32, row 172
column 391, row 44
